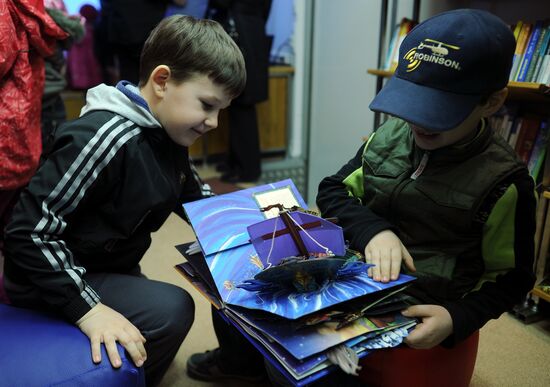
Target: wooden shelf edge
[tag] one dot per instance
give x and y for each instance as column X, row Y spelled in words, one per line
column 530, row 86
column 539, row 293
column 382, row 73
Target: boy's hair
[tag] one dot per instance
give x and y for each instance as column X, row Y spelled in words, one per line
column 191, row 47
column 448, row 65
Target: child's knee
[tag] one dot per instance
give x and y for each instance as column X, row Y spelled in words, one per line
column 184, row 312
column 177, row 309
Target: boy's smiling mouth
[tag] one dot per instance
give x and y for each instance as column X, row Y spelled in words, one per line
column 424, row 133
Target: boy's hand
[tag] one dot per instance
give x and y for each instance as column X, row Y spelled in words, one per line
column 386, row 252
column 435, row 327
column 105, row 325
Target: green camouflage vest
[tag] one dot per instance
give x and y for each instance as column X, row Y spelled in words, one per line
column 435, row 210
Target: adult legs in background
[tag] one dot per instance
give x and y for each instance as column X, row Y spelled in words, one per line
column 53, row 115
column 244, row 157
column 8, row 198
column 128, row 61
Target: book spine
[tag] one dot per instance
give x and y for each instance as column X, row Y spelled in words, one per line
column 533, row 39
column 517, row 29
column 516, row 129
column 542, row 52
column 539, row 150
column 545, row 71
column 536, row 55
column 526, row 139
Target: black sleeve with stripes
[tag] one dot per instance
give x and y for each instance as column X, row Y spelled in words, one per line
column 34, row 237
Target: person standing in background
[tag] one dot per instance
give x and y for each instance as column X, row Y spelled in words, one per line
column 53, row 106
column 245, row 21
column 124, row 26
column 195, row 8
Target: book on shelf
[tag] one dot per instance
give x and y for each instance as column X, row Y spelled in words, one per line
column 538, row 52
column 399, row 33
column 527, row 134
column 544, row 70
column 539, row 152
column 529, row 52
column 241, row 265
column 526, row 137
column 520, row 49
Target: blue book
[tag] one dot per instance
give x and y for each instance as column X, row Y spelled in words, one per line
column 536, row 54
column 522, row 74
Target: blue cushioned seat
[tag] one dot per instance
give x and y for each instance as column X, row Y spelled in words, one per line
column 38, row 349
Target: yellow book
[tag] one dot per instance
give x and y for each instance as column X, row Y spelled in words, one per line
column 517, row 29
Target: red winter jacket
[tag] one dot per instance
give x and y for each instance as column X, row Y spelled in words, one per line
column 27, row 36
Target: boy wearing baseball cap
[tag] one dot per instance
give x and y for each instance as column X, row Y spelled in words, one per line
column 436, row 185
column 433, row 184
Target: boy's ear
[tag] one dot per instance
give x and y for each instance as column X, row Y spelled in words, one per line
column 159, row 78
column 494, row 102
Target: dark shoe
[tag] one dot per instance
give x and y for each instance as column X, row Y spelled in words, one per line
column 207, row 366
column 235, row 177
column 224, row 168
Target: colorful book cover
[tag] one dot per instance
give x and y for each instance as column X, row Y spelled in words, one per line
column 220, row 224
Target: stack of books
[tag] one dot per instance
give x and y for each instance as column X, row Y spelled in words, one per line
column 532, row 55
column 296, row 328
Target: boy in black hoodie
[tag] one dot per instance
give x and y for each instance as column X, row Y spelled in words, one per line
column 112, row 177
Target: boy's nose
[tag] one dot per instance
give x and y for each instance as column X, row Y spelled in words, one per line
column 212, row 121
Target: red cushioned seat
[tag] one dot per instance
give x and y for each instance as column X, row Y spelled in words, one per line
column 404, row 366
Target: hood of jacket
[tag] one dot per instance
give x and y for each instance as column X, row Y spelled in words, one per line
column 124, row 100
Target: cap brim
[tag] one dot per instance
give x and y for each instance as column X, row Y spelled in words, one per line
column 428, row 108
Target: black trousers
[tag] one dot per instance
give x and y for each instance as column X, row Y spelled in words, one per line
column 162, row 312
column 244, row 141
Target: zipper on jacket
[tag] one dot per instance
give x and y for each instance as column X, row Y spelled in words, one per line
column 421, row 166
column 400, row 186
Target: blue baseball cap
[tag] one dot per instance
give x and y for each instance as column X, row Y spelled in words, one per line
column 447, row 64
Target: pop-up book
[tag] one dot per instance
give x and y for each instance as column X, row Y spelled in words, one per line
column 286, row 279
